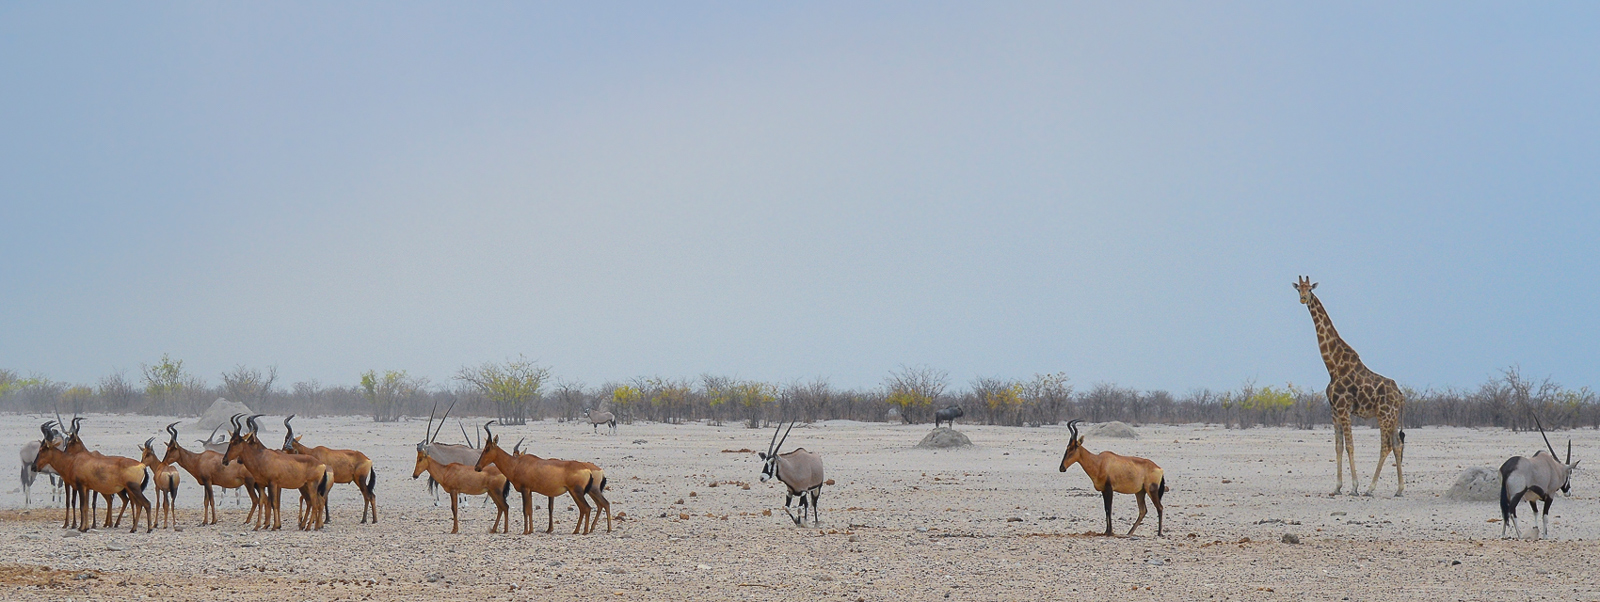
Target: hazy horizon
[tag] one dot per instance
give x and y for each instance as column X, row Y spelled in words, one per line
column 782, row 192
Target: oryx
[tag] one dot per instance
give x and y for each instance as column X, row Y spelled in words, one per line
column 30, row 452
column 444, row 453
column 1535, row 478
column 800, row 471
column 599, row 418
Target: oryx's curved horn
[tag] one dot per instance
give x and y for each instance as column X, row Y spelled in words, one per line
column 441, row 421
column 428, row 430
column 774, row 437
column 785, row 437
column 464, row 435
column 1541, row 434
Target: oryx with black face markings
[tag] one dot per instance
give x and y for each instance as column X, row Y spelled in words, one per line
column 1534, row 479
column 800, row 471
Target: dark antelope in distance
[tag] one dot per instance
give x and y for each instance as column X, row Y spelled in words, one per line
column 949, row 415
column 348, row 466
column 1112, row 473
column 799, row 470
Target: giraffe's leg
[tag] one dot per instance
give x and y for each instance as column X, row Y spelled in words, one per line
column 1383, row 455
column 1350, row 456
column 1339, row 426
column 1399, row 451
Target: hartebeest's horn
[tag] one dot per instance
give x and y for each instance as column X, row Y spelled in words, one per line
column 45, row 428
column 149, row 442
column 486, row 429
column 173, row 428
column 516, row 449
column 1072, row 425
column 234, row 420
column 288, row 438
column 76, row 424
column 254, row 428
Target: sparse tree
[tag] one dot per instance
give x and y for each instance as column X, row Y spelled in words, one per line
column 512, row 386
column 914, row 390
column 387, row 393
column 164, row 383
column 117, row 393
column 249, row 386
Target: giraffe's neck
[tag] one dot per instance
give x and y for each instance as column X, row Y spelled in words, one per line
column 1337, row 355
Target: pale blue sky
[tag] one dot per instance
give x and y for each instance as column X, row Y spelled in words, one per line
column 789, row 190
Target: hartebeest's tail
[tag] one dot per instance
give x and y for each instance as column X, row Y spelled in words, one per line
column 372, row 479
column 505, row 490
column 325, row 483
column 146, row 481
column 1163, row 485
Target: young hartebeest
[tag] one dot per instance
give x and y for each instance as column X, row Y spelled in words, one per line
column 348, row 466
column 166, row 478
column 207, row 469
column 801, row 474
column 457, row 479
column 531, row 474
column 278, row 471
column 108, row 476
column 1112, row 473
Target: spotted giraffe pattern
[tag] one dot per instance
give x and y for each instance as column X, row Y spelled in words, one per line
column 1355, row 389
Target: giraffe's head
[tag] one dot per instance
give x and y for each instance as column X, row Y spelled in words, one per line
column 1304, row 285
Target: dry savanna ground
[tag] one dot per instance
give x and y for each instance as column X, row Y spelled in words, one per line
column 995, row 521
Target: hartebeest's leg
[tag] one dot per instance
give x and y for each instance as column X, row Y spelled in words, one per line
column 527, row 511
column 455, row 514
column 1155, row 497
column 1136, row 522
column 600, row 503
column 550, row 509
column 583, row 510
column 1107, row 494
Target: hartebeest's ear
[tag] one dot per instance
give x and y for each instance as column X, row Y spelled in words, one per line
column 297, row 438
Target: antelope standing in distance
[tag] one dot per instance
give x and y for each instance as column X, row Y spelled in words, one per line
column 277, row 471
column 531, row 474
column 214, row 443
column 599, row 418
column 208, row 470
column 1112, row 473
column 348, row 466
column 446, row 453
column 949, row 414
column 799, row 470
column 166, row 478
column 107, row 476
column 457, row 479
column 1534, row 479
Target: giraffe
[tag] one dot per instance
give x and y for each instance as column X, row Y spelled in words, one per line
column 1353, row 388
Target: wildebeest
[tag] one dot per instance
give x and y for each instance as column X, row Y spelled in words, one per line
column 800, row 471
column 949, row 415
column 1536, row 479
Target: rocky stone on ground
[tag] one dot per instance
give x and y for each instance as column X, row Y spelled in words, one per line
column 944, row 437
column 1112, row 430
column 1476, row 484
